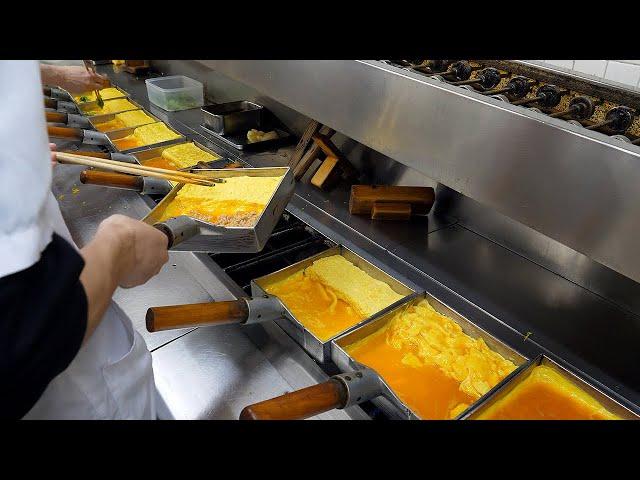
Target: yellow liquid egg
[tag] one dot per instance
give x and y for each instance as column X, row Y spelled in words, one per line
column 430, row 363
column 546, row 395
column 315, row 306
column 331, row 295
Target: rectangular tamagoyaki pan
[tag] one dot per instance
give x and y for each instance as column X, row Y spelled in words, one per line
column 56, row 93
column 144, row 185
column 194, row 235
column 605, row 399
column 149, row 153
column 91, row 137
column 76, row 120
column 123, row 94
column 86, row 107
column 317, row 348
column 262, row 307
column 358, row 383
column 60, row 104
column 96, row 120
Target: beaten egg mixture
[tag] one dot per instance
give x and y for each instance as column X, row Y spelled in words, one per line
column 546, row 395
column 236, row 203
column 180, row 156
column 130, row 119
column 111, row 106
column 332, row 295
column 146, row 135
column 430, row 363
column 105, row 93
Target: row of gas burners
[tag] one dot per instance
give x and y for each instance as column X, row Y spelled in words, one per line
column 592, row 113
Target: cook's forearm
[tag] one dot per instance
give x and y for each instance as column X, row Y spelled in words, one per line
column 51, row 75
column 104, row 256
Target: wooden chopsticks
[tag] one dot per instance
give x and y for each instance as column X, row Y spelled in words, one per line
column 91, row 68
column 124, row 167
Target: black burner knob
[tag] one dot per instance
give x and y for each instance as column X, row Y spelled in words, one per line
column 461, row 70
column 489, row 78
column 519, row 86
column 582, row 107
column 438, row 65
column 621, row 118
column 551, row 95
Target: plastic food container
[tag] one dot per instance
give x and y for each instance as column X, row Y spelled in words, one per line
column 174, row 93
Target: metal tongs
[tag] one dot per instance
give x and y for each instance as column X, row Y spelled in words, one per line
column 91, row 68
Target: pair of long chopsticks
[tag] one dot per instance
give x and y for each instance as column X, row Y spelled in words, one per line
column 124, row 167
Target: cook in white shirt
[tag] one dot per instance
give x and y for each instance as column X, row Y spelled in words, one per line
column 110, row 377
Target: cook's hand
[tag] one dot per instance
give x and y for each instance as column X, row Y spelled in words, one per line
column 143, row 249
column 54, row 160
column 74, row 79
column 78, row 80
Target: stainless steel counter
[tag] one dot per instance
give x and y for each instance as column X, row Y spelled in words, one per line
column 213, row 372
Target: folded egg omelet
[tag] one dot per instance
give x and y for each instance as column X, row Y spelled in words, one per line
column 129, row 119
column 105, row 93
column 353, row 285
column 146, row 135
column 186, row 155
column 180, row 156
column 111, row 106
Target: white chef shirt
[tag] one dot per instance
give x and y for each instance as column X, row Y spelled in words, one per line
column 25, row 168
column 111, row 376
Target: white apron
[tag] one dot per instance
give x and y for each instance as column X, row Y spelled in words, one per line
column 110, row 378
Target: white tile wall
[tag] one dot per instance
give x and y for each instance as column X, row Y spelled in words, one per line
column 592, row 67
column 622, row 71
column 562, row 63
column 626, row 73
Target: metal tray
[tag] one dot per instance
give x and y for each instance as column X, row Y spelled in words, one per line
column 96, row 119
column 505, row 387
column 157, row 185
column 95, row 102
column 149, row 153
column 233, row 117
column 388, row 401
column 125, row 132
column 240, row 142
column 200, row 236
column 321, row 349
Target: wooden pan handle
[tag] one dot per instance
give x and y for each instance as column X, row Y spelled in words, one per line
column 65, row 132
column 57, row 117
column 300, row 404
column 112, row 179
column 50, row 103
column 196, row 315
column 89, row 154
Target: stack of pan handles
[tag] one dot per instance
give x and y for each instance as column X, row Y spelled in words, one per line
column 340, row 391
